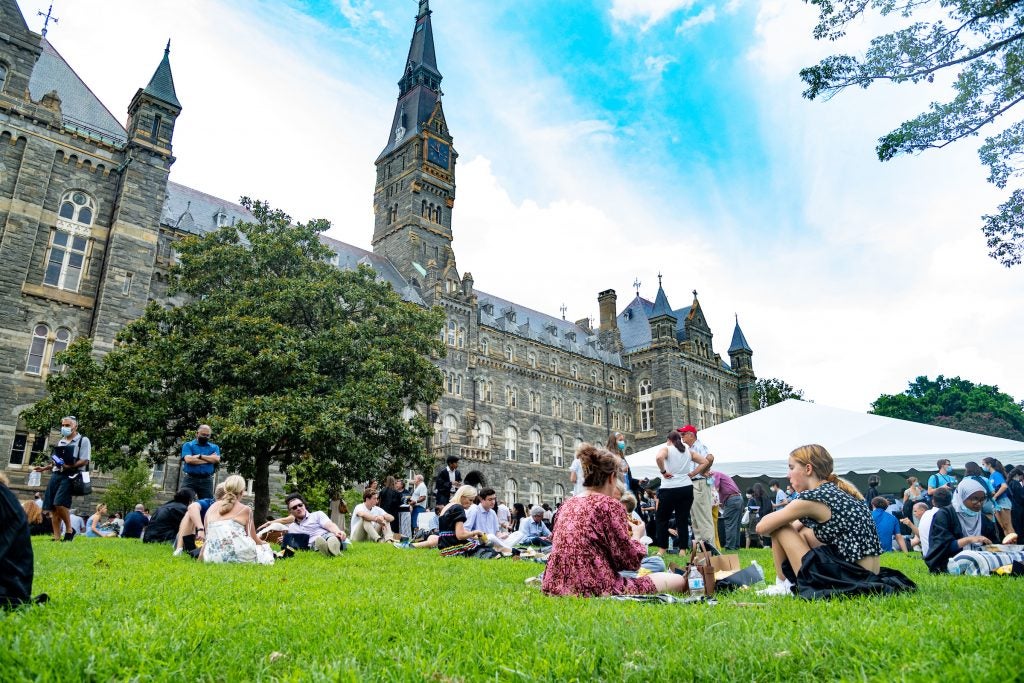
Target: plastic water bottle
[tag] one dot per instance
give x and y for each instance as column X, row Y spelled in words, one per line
column 696, row 582
column 759, row 570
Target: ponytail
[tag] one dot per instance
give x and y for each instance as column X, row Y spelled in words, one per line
column 233, row 488
column 845, row 486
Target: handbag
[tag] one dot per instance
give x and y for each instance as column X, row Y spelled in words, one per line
column 700, row 557
column 82, row 484
column 745, row 519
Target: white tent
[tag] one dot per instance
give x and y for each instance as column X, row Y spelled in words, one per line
column 758, row 444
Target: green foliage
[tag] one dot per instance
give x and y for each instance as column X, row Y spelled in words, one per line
column 441, row 619
column 982, row 42
column 130, row 487
column 769, row 390
column 958, row 404
column 285, row 356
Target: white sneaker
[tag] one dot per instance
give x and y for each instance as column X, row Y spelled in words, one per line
column 780, row 588
column 177, row 552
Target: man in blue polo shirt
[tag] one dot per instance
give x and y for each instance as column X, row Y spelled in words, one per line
column 199, row 460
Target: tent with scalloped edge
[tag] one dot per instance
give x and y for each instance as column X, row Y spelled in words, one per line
column 758, row 444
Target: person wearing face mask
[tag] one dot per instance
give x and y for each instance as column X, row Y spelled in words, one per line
column 617, row 444
column 959, row 526
column 942, row 478
column 73, row 453
column 200, row 458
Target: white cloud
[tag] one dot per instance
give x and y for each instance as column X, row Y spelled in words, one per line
column 655, row 66
column 360, row 12
column 647, row 13
column 706, row 16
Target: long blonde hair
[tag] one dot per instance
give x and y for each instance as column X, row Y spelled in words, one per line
column 32, row 511
column 821, row 463
column 465, row 491
column 234, row 487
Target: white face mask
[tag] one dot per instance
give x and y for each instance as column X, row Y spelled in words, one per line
column 65, row 431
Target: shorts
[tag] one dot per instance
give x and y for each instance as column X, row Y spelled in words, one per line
column 1004, row 503
column 58, row 492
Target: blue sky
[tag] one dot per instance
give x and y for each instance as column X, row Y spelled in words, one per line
column 603, row 141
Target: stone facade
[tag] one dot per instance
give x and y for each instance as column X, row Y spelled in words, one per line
column 89, row 218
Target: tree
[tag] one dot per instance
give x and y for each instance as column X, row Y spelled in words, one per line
column 958, row 404
column 285, row 356
column 982, row 42
column 769, row 391
column 131, row 487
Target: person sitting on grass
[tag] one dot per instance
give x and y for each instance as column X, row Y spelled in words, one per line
column 191, row 531
column 309, row 530
column 452, row 537
column 17, row 563
column 482, row 517
column 943, row 498
column 369, row 521
column 135, row 522
column 824, row 543
column 886, row 525
column 959, row 526
column 913, row 522
column 38, row 525
column 596, row 539
column 163, row 525
column 95, row 527
column 534, row 531
column 230, row 533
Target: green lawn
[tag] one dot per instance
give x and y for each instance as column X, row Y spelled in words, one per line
column 124, row 611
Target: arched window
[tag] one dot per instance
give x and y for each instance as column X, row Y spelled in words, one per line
column 60, row 343
column 593, row 377
column 460, row 339
column 531, row 359
column 535, row 446
column 713, row 408
column 577, row 411
column 556, row 452
column 36, row 351
column 509, row 354
column 556, row 407
column 574, row 371
column 437, row 214
column 451, row 426
column 553, row 364
column 69, row 242
column 535, row 401
column 558, row 493
column 449, row 382
column 511, row 492
column 700, row 409
column 423, row 208
column 458, row 385
column 597, row 415
column 484, row 436
column 732, row 407
column 511, row 436
column 485, row 346
column 78, row 207
column 451, row 332
column 535, row 493
column 646, row 406
column 487, row 391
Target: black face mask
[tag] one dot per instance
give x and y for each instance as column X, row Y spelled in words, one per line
column 203, row 440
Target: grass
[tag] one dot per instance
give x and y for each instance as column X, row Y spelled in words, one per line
column 123, row 611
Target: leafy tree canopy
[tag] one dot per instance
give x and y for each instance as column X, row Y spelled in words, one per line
column 130, row 487
column 958, row 404
column 769, row 391
column 980, row 41
column 286, row 357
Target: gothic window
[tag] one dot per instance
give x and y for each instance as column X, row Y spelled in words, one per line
column 437, row 215
column 535, row 446
column 556, row 407
column 484, row 436
column 154, row 132
column 37, row 349
column 593, row 377
column 646, row 406
column 556, row 451
column 485, row 346
column 700, row 409
column 511, row 492
column 535, row 493
column 510, row 442
column 77, row 207
column 60, row 343
column 423, row 208
column 574, row 372
column 509, row 353
column 615, row 420
column 554, row 365
column 577, row 411
column 69, row 241
column 451, row 427
column 628, row 421
column 458, row 385
column 597, row 415
column 451, row 332
column 713, row 407
column 511, row 396
column 449, row 382
column 460, row 339
column 558, row 493
column 732, row 407
column 535, row 401
column 487, row 391
column 531, row 359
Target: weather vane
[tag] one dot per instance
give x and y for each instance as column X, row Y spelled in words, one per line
column 636, row 285
column 49, row 17
column 659, row 279
column 563, row 309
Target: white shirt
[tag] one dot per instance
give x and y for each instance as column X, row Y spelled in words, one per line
column 478, row 519
column 356, row 519
column 420, row 492
column 577, row 467
column 678, row 464
column 924, row 527
column 503, row 514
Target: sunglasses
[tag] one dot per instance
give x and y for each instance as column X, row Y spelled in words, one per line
column 297, row 506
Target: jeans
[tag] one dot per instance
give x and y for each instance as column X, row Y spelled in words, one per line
column 202, row 485
column 732, row 513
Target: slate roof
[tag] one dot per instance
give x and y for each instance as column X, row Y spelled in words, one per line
column 82, row 110
column 350, row 257
column 739, row 342
column 196, row 212
column 540, row 327
column 661, row 306
column 161, row 85
column 635, row 327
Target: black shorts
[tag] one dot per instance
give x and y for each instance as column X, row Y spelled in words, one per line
column 58, row 492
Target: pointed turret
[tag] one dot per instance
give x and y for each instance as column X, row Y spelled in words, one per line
column 740, row 359
column 154, row 110
column 739, row 342
column 161, row 85
column 663, row 320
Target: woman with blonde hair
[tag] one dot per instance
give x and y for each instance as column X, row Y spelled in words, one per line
column 37, row 524
column 824, row 543
column 230, row 533
column 453, row 539
column 94, row 528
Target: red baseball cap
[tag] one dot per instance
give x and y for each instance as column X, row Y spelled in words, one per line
column 687, row 428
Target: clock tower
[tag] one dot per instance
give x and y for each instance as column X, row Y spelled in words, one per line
column 415, row 189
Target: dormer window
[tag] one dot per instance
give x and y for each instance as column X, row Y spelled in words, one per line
column 220, row 219
column 510, row 315
column 571, row 336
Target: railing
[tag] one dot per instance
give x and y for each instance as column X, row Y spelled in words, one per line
column 463, row 452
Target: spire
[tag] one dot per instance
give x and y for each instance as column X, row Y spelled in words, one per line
column 661, row 306
column 161, row 85
column 739, row 342
column 424, row 9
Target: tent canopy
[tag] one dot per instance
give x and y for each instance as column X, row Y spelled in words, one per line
column 758, row 444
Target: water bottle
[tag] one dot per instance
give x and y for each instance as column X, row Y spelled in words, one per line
column 759, row 570
column 696, row 582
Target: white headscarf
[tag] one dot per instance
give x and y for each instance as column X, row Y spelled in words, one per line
column 970, row 521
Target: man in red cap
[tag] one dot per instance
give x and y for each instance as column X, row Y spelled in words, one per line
column 703, row 497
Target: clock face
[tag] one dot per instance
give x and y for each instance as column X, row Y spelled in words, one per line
column 437, row 153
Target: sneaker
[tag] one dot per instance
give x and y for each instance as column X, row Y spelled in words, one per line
column 402, row 544
column 69, row 536
column 780, row 588
column 329, row 546
column 177, row 552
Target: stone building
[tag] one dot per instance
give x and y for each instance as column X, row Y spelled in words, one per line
column 89, row 216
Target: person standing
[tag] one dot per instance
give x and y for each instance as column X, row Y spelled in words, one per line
column 73, row 452
column 200, row 458
column 701, row 518
column 941, row 478
column 418, row 500
column 447, row 480
column 730, row 502
column 576, row 475
column 676, row 462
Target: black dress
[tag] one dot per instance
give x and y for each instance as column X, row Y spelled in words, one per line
column 391, row 503
column 447, row 542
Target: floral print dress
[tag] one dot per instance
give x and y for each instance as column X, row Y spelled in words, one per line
column 592, row 544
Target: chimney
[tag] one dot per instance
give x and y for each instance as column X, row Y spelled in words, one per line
column 606, row 304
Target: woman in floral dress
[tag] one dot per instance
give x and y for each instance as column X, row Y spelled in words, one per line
column 594, row 538
column 230, row 533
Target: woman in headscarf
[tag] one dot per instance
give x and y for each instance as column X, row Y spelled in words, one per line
column 959, row 526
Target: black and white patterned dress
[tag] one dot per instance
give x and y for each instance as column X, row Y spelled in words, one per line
column 850, row 529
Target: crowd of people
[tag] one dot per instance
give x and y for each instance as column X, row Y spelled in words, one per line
column 825, row 538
